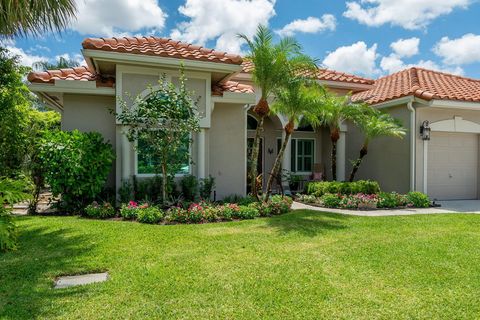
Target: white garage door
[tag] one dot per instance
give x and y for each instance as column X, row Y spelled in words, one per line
column 452, row 166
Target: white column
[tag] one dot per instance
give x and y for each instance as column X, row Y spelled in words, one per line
column 425, row 166
column 126, row 156
column 287, row 157
column 201, row 154
column 341, row 143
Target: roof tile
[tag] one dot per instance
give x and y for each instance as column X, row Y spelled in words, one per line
column 231, row 86
column 76, row 73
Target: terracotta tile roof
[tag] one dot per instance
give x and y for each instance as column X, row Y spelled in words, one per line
column 160, row 47
column 421, row 83
column 231, row 86
column 77, row 73
column 322, row 74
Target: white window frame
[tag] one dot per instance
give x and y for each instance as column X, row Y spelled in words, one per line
column 295, row 140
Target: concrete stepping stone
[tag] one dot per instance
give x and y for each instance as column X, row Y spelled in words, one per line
column 71, row 281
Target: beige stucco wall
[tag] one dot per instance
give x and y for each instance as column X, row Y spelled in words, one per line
column 91, row 113
column 433, row 114
column 227, row 149
column 388, row 159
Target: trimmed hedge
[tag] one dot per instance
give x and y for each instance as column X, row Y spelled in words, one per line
column 318, row 189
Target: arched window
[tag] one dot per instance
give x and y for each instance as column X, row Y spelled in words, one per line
column 305, row 127
column 251, row 123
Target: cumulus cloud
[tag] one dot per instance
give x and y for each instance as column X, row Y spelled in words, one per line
column 115, row 17
column 309, row 25
column 25, row 58
column 357, row 58
column 459, row 51
column 222, row 20
column 405, row 48
column 393, row 63
column 409, row 14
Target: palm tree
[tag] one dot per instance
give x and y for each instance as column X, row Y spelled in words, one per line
column 21, row 17
column 332, row 111
column 293, row 101
column 272, row 61
column 375, row 124
column 61, row 63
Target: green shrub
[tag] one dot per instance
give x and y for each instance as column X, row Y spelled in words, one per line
column 125, row 192
column 330, row 200
column 195, row 213
column 229, row 211
column 8, row 231
column 76, row 166
column 95, row 210
column 149, row 215
column 307, row 198
column 318, row 189
column 235, row 198
column 280, row 204
column 418, row 199
column 206, row 188
column 176, row 214
column 129, row 211
column 189, row 186
column 391, row 200
column 247, row 212
column 149, row 189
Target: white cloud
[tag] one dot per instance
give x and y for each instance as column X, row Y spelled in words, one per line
column 76, row 57
column 357, row 58
column 393, row 63
column 309, row 25
column 25, row 58
column 409, row 14
column 114, row 17
column 222, row 20
column 463, row 50
column 406, row 47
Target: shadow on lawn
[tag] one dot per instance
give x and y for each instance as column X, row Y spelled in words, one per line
column 308, row 223
column 26, row 275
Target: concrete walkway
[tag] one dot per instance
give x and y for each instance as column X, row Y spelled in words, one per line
column 463, row 206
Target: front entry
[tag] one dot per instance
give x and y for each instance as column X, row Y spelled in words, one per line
column 453, row 166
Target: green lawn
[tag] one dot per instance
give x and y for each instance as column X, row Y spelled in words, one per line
column 303, row 265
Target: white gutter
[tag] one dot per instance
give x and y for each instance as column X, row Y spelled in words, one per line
column 412, row 144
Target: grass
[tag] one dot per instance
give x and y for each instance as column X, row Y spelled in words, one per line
column 303, row 265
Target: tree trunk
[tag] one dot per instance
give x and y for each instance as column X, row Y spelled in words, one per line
column 278, row 160
column 254, row 157
column 164, row 182
column 356, row 165
column 334, row 136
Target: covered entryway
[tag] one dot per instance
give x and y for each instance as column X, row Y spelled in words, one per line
column 453, row 166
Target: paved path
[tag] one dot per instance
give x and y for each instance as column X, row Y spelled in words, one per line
column 464, row 206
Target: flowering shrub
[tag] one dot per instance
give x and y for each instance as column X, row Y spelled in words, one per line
column 149, row 215
column 359, row 201
column 307, row 198
column 280, row 204
column 392, row 200
column 229, row 211
column 196, row 213
column 247, row 212
column 129, row 211
column 176, row 214
column 95, row 210
column 330, row 200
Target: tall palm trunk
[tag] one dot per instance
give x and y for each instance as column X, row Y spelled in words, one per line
column 278, row 161
column 358, row 162
column 334, row 136
column 261, row 109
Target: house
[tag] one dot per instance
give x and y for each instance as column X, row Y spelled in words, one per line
column 118, row 68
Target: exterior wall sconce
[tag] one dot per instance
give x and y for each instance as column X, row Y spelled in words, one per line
column 425, row 131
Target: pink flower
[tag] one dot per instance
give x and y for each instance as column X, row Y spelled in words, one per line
column 132, row 204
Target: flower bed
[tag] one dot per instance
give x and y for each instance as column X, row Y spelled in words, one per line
column 202, row 212
column 362, row 201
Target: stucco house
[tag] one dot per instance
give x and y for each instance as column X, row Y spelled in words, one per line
column 446, row 166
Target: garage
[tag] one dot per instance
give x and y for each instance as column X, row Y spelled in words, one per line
column 452, row 166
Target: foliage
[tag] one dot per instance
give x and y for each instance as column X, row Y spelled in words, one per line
column 100, row 211
column 125, row 192
column 391, row 200
column 129, row 211
column 24, row 17
column 238, row 199
column 319, row 188
column 358, row 201
column 247, row 212
column 61, row 63
column 150, row 189
column 206, row 187
column 164, row 120
column 306, row 198
column 418, row 199
column 229, row 211
column 8, row 231
column 76, row 166
column 189, row 186
column 330, row 200
column 176, row 214
column 149, row 215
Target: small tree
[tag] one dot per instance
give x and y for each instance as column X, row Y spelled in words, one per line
column 332, row 111
column 375, row 124
column 164, row 121
column 292, row 101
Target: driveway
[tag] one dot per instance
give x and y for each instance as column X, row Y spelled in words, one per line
column 463, row 206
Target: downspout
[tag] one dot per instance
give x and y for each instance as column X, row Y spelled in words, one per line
column 412, row 144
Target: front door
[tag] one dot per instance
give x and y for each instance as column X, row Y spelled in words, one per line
column 259, row 161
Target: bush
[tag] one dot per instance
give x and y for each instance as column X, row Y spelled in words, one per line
column 76, row 166
column 206, row 187
column 148, row 189
column 318, row 189
column 307, row 198
column 125, row 192
column 189, row 186
column 330, row 200
column 391, row 200
column 358, row 201
column 149, row 215
column 95, row 210
column 195, row 213
column 247, row 212
column 176, row 214
column 8, row 231
column 228, row 211
column 243, row 201
column 418, row 199
column 280, row 204
column 129, row 211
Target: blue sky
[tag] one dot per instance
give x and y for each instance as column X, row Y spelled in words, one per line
column 356, row 36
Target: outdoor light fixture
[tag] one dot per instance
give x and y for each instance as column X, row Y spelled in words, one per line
column 425, row 130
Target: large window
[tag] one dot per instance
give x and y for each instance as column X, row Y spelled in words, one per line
column 302, row 154
column 146, row 161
